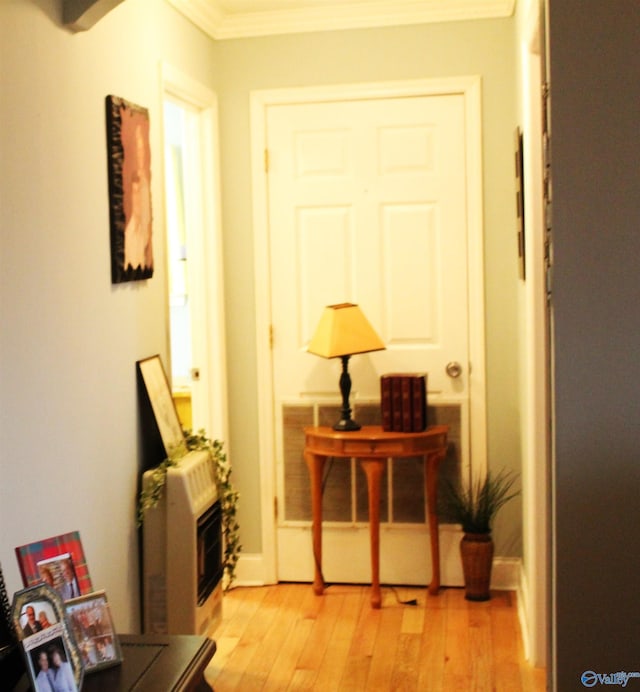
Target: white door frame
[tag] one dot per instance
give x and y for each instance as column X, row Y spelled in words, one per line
column 469, row 87
column 187, row 91
column 537, row 411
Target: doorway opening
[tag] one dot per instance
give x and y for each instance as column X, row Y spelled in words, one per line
column 194, row 255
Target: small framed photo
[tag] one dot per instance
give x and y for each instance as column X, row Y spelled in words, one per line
column 60, row 573
column 90, row 620
column 50, row 650
column 156, row 386
column 58, row 561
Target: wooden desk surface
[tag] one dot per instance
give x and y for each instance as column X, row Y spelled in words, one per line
column 153, row 663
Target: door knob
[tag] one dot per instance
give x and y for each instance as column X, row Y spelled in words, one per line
column 453, row 369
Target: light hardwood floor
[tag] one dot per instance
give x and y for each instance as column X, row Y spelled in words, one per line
column 284, row 637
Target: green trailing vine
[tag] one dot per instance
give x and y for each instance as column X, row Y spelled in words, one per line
column 153, row 490
column 228, row 499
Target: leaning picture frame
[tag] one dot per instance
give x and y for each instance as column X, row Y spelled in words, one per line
column 92, row 625
column 156, row 385
column 49, row 648
column 129, row 168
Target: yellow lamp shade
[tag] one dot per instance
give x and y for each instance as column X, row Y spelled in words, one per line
column 343, row 330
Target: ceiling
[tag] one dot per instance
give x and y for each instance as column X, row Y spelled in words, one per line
column 225, row 19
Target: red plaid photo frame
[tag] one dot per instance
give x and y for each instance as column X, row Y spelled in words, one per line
column 30, row 555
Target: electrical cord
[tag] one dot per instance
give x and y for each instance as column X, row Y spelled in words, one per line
column 409, row 602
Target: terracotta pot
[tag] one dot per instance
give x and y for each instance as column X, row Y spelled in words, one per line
column 476, row 550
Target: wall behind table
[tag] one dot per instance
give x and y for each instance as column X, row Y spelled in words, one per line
column 69, row 437
column 485, row 48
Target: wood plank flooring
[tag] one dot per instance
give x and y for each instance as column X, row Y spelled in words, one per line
column 283, row 637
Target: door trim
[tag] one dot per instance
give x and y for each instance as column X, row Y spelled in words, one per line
column 191, row 93
column 470, row 88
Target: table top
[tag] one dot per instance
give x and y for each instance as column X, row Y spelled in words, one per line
column 374, row 442
column 373, row 432
column 171, row 663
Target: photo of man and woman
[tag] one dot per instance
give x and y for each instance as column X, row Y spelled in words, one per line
column 52, row 656
column 36, row 617
column 51, row 669
column 59, row 573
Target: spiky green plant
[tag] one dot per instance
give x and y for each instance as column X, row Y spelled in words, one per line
column 476, row 506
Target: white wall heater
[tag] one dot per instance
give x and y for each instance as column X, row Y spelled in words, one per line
column 182, row 551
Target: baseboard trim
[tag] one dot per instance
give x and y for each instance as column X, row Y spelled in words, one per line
column 250, row 570
column 506, row 574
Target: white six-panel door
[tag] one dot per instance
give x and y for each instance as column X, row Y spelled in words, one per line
column 367, row 201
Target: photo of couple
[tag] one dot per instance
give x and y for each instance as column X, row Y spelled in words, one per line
column 59, row 573
column 52, row 670
column 32, row 623
column 51, row 653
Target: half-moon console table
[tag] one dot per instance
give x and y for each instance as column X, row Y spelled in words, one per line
column 373, row 446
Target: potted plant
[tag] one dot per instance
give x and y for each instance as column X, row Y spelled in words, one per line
column 475, row 507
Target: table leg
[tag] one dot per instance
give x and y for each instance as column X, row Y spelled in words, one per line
column 374, row 469
column 315, row 464
column 432, row 462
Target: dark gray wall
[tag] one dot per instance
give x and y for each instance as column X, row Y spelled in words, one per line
column 595, row 119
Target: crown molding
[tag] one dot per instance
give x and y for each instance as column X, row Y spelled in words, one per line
column 210, row 16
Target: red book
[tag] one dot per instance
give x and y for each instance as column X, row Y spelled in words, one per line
column 403, row 401
column 396, row 404
column 386, row 402
column 407, row 400
column 419, row 402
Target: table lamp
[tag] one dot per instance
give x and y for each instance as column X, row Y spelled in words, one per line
column 342, row 332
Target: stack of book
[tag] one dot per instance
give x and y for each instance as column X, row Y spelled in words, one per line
column 403, row 400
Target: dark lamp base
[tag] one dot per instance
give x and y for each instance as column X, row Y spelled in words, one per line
column 347, row 425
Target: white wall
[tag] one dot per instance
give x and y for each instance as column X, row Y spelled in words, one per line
column 69, row 340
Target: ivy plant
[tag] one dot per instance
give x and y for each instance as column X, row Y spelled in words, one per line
column 153, row 490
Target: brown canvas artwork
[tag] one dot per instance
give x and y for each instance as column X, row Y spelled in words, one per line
column 129, row 190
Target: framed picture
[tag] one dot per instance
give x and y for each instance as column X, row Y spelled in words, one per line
column 50, row 651
column 130, row 216
column 90, row 620
column 155, row 382
column 58, row 561
column 519, row 161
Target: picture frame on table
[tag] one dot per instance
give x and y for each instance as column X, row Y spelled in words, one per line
column 92, row 625
column 58, row 561
column 50, row 651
